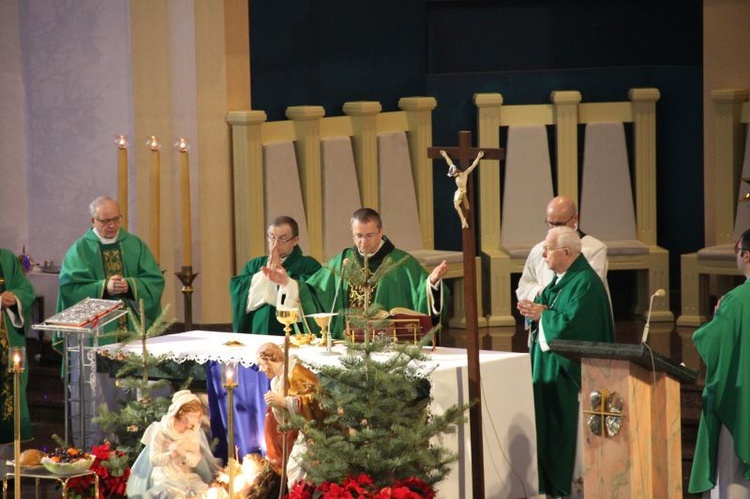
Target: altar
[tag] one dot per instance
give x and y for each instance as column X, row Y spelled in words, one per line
column 507, row 402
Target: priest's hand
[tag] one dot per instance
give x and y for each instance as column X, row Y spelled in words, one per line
column 8, row 299
column 274, row 258
column 276, row 275
column 117, row 285
column 531, row 310
column 438, row 272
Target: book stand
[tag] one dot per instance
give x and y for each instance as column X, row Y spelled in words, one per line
column 79, row 349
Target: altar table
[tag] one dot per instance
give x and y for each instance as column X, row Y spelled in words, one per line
column 510, row 468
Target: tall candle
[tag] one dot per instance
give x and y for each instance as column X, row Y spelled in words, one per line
column 122, row 177
column 187, row 236
column 155, row 196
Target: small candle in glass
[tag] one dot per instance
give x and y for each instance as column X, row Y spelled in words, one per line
column 229, row 374
column 17, row 356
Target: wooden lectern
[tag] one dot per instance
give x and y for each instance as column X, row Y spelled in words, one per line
column 630, row 403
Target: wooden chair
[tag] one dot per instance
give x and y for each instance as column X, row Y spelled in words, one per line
column 316, row 141
column 731, row 216
column 565, row 114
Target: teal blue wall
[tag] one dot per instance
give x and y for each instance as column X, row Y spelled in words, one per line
column 329, row 52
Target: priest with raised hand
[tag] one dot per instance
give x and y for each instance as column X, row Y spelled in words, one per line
column 402, row 281
column 16, row 297
column 253, row 294
column 573, row 306
column 110, row 263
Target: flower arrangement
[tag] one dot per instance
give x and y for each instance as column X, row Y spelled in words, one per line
column 113, row 470
column 363, row 487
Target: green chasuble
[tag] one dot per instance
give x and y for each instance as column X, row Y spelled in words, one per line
column 262, row 320
column 578, row 310
column 13, row 280
column 724, row 344
column 403, row 286
column 88, row 264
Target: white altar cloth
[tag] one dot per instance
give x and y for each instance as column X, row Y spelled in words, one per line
column 510, row 468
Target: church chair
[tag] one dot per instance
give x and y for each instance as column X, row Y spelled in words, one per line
column 320, row 148
column 728, row 212
column 525, row 216
column 565, row 114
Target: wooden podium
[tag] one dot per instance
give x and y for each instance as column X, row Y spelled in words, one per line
column 630, row 403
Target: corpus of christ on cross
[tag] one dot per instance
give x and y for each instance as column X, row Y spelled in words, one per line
column 468, row 158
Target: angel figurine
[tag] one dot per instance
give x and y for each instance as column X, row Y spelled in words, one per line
column 462, row 178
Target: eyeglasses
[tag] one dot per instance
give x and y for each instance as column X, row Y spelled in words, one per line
column 279, row 239
column 738, row 247
column 552, row 225
column 107, row 221
column 545, row 249
column 367, row 237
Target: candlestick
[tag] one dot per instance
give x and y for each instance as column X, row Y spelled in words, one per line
column 155, row 196
column 122, row 177
column 229, row 370
column 18, row 357
column 187, row 236
column 186, row 277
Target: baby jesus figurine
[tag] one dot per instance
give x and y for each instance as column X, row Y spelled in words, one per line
column 462, row 178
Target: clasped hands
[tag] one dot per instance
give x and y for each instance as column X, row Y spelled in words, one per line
column 117, row 285
column 530, row 310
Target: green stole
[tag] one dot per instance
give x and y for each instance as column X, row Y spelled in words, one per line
column 7, row 381
column 113, row 265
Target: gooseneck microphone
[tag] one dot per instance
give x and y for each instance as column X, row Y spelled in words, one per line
column 658, row 293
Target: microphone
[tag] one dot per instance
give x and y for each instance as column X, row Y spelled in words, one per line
column 660, row 293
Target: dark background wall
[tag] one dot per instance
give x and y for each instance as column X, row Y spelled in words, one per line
column 307, row 52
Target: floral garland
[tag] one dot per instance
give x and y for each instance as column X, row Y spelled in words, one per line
column 113, row 471
column 363, row 487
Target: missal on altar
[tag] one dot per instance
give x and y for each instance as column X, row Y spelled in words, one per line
column 401, row 324
column 84, row 313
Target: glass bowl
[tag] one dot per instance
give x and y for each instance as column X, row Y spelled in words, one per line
column 70, row 468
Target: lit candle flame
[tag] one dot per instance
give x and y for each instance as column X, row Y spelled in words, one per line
column 122, row 141
column 16, row 360
column 182, row 144
column 153, row 143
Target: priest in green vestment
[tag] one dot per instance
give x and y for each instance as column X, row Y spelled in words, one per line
column 16, row 297
column 406, row 284
column 722, row 452
column 110, row 263
column 574, row 306
column 253, row 294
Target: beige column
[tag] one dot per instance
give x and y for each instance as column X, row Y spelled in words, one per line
column 490, row 198
column 307, row 146
column 644, row 119
column 419, row 116
column 365, row 145
column 566, row 134
column 729, row 141
column 247, row 160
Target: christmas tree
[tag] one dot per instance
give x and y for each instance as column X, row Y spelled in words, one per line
column 378, row 420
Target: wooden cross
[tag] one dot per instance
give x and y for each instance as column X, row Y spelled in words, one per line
column 465, row 154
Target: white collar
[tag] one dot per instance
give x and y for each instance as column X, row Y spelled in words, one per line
column 104, row 240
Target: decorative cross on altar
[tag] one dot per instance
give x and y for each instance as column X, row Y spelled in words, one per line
column 468, row 158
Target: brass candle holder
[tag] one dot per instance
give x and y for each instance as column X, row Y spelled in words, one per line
column 186, row 277
column 229, row 381
column 16, row 366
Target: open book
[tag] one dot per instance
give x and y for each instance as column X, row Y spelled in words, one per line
column 402, row 324
column 84, row 312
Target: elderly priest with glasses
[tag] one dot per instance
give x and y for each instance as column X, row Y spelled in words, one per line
column 110, row 263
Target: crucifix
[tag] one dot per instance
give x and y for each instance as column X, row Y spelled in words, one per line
column 468, row 158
